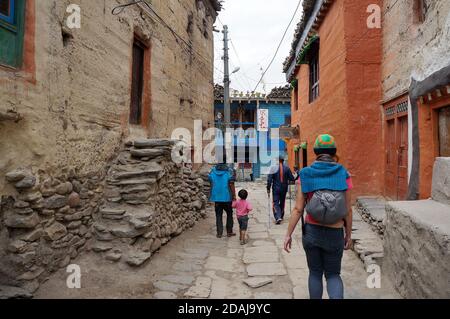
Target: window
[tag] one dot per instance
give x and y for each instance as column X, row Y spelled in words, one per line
column 420, row 10
column 297, row 159
column 12, row 14
column 137, row 83
column 7, row 10
column 314, row 72
column 296, row 97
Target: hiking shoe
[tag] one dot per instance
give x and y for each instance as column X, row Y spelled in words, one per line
column 219, row 235
column 231, row 234
column 279, row 221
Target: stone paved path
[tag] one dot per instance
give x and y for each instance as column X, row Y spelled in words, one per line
column 198, row 265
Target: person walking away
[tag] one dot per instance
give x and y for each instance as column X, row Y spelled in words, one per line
column 223, row 193
column 243, row 208
column 325, row 194
column 278, row 179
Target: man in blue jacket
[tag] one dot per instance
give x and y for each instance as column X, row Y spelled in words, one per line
column 278, row 179
column 223, row 194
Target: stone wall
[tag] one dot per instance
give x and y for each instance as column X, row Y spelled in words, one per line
column 125, row 212
column 148, row 200
column 417, row 248
column 73, row 93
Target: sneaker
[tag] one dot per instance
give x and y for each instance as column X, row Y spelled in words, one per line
column 242, row 242
column 279, row 221
column 219, row 236
column 231, row 234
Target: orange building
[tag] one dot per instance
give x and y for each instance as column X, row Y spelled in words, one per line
column 335, row 71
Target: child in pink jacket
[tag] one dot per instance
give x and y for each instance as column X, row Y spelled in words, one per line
column 243, row 208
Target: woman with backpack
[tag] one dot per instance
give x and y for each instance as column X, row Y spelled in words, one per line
column 327, row 227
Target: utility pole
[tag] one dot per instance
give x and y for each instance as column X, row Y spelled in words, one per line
column 226, row 79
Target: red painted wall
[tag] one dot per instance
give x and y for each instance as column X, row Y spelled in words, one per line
column 350, row 92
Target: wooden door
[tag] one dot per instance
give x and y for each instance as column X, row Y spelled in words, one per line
column 391, row 162
column 396, row 176
column 402, row 162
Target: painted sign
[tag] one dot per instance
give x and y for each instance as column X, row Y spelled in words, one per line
column 263, row 120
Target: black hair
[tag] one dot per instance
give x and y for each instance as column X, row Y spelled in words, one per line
column 329, row 151
column 243, row 194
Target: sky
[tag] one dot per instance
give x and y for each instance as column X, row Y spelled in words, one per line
column 255, row 28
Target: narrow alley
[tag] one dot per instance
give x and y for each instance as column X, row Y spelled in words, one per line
column 198, row 265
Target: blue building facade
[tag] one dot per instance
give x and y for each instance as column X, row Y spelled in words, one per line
column 244, row 116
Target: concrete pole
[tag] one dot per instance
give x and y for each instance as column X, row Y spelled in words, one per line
column 226, row 79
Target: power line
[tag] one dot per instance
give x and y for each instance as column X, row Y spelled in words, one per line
column 279, row 45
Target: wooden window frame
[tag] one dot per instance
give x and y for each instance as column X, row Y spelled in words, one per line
column 314, row 73
column 11, row 18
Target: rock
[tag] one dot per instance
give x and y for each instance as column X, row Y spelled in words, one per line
column 47, row 192
column 111, row 211
column 114, row 255
column 101, row 247
column 8, row 292
column 21, row 221
column 127, row 232
column 257, row 282
column 55, row 202
column 197, row 205
column 31, row 197
column 55, row 231
column 179, row 279
column 21, row 204
column 74, row 217
column 64, row 188
column 16, row 175
column 17, row 247
column 136, row 258
column 26, row 182
column 148, row 181
column 156, row 245
column 31, row 275
column 74, row 200
column 74, row 224
column 151, row 143
column 34, row 235
column 150, row 153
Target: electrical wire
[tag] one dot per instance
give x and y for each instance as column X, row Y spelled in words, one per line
column 279, row 45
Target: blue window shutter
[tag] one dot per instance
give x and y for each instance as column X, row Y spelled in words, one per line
column 11, row 34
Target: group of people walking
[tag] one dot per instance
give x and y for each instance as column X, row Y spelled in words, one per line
column 323, row 205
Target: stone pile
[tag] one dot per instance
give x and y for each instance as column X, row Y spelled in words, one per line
column 373, row 212
column 44, row 224
column 137, row 204
column 148, row 200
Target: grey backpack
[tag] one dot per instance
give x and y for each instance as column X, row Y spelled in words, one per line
column 327, row 207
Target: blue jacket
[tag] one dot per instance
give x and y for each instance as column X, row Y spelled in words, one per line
column 274, row 181
column 220, row 178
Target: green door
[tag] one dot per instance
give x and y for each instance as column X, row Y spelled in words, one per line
column 12, row 14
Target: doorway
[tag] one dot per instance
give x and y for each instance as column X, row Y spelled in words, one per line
column 396, row 176
column 137, row 82
column 444, row 132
